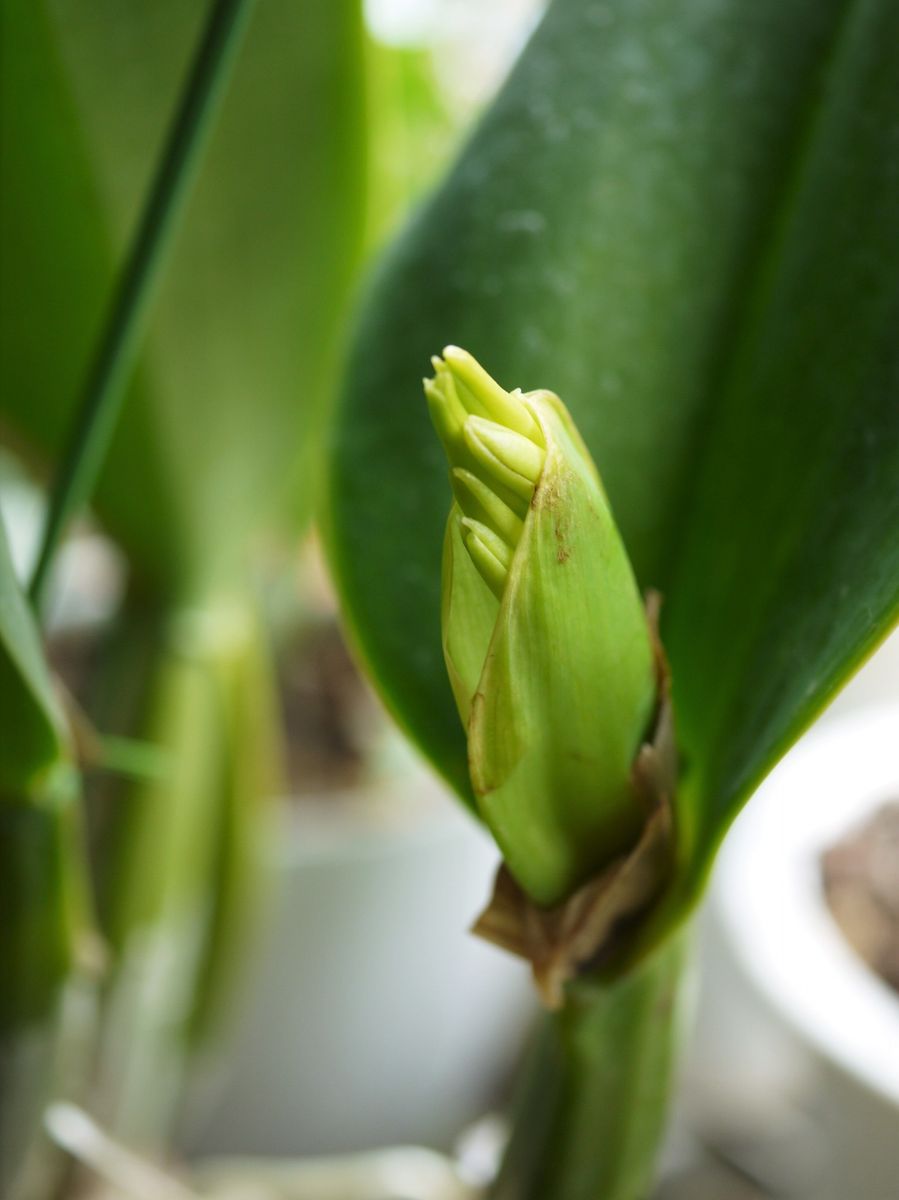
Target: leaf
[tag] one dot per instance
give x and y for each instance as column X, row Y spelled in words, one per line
column 216, row 437
column 788, row 566
column 55, row 265
column 684, row 223
column 33, row 737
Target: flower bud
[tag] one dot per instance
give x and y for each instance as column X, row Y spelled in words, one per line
column 545, row 634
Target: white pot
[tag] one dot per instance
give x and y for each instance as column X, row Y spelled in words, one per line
column 368, row 1014
column 769, row 898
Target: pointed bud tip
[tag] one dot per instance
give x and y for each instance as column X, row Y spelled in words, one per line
column 455, row 354
column 480, row 394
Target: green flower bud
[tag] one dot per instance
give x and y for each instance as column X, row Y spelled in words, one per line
column 545, row 635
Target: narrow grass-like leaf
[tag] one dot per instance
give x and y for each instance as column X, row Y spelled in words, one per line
column 216, row 434
column 96, row 415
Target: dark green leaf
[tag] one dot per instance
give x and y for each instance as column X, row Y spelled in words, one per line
column 788, row 564
column 682, row 218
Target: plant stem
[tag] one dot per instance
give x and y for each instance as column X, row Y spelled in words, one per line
column 594, row 1099
column 105, row 388
column 177, row 867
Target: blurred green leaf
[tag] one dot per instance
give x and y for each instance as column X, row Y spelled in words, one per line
column 33, row 737
column 411, row 133
column 216, row 439
column 684, row 221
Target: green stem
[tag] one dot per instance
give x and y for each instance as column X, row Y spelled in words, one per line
column 177, row 865
column 45, row 1001
column 594, row 1098
column 104, row 392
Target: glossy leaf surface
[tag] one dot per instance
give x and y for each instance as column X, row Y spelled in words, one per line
column 683, row 220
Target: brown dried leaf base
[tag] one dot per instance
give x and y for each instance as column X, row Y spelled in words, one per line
column 563, row 941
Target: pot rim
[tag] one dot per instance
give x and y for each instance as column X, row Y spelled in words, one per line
column 769, row 895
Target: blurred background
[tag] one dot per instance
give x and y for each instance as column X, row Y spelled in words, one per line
column 281, row 965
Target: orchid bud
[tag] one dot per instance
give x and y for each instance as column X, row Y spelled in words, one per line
column 545, row 633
